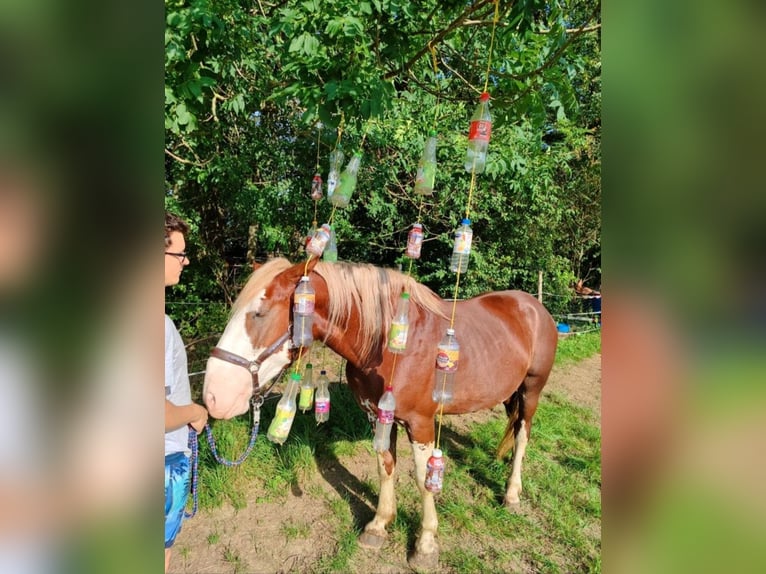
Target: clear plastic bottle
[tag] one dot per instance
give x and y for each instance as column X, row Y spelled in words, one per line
column 306, row 398
column 426, row 174
column 347, row 183
column 414, row 241
column 303, row 313
column 478, row 136
column 447, row 358
column 462, row 248
column 435, row 472
column 331, row 251
column 397, row 334
column 322, row 398
column 285, row 413
column 316, row 187
column 319, row 240
column 386, row 409
column 333, row 177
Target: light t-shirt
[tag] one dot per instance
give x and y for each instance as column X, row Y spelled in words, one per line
column 177, row 388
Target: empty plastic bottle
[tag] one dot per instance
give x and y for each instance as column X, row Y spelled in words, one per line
column 478, row 136
column 303, row 313
column 414, row 241
column 462, row 247
column 331, row 251
column 285, row 413
column 333, row 177
column 447, row 357
column 426, row 174
column 316, row 187
column 322, row 398
column 306, row 398
column 400, row 326
column 435, row 472
column 386, row 409
column 347, row 183
column 319, row 240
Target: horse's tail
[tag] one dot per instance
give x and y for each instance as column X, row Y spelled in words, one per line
column 514, row 408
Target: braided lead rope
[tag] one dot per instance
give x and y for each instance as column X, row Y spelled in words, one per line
column 194, row 446
column 253, row 435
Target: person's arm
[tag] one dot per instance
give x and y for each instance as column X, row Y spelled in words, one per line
column 177, row 417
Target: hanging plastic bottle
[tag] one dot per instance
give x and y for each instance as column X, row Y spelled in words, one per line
column 333, row 177
column 306, row 398
column 426, row 174
column 435, row 472
column 322, row 398
column 478, row 136
column 462, row 247
column 447, row 357
column 386, row 409
column 303, row 313
column 414, row 241
column 331, row 251
column 316, row 187
column 285, row 414
column 319, row 240
column 400, row 326
column 347, row 183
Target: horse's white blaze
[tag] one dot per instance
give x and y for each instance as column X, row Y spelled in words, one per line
column 512, row 495
column 426, row 543
column 228, row 387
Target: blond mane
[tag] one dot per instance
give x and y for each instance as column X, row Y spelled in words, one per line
column 259, row 280
column 374, row 291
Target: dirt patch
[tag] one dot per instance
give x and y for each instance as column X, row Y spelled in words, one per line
column 294, row 533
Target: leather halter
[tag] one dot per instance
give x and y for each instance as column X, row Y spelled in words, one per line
column 252, row 366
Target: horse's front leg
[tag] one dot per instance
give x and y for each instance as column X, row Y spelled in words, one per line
column 374, row 534
column 426, row 554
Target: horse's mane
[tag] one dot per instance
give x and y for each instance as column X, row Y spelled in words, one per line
column 374, row 291
column 259, row 280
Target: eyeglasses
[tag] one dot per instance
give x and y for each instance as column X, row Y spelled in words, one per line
column 181, row 256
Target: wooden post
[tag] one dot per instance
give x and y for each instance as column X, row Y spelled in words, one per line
column 252, row 243
column 540, row 286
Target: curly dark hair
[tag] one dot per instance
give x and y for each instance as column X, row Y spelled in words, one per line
column 174, row 223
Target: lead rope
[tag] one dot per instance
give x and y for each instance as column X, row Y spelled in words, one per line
column 194, row 447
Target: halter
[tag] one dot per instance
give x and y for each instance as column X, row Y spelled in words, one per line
column 252, row 366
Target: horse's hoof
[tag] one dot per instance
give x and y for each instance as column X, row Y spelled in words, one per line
column 371, row 541
column 513, row 507
column 421, row 562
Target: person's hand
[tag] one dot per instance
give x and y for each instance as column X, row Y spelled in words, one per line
column 201, row 419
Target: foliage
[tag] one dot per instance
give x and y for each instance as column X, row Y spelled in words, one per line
column 246, row 83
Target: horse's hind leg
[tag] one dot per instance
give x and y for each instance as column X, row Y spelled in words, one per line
column 374, row 534
column 521, row 408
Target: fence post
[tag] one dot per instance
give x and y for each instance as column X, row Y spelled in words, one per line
column 540, row 286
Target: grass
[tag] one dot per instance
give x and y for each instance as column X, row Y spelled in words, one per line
column 575, row 348
column 557, row 531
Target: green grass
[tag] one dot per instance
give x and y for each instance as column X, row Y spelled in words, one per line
column 575, row 348
column 558, row 529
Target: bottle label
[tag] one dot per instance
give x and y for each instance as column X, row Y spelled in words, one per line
column 434, row 474
column 385, row 417
column 447, row 359
column 316, row 188
column 306, row 398
column 283, row 421
column 397, row 336
column 322, row 406
column 414, row 243
column 480, row 131
column 303, row 303
column 318, row 242
column 332, row 182
column 463, row 240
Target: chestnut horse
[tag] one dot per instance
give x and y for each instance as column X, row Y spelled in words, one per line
column 507, row 345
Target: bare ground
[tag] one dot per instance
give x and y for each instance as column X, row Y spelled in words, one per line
column 292, row 534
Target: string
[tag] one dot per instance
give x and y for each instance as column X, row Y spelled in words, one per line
column 492, row 43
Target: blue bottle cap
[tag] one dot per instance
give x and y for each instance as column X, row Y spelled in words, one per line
column 466, row 221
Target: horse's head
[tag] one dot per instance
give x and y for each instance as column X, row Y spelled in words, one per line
column 255, row 340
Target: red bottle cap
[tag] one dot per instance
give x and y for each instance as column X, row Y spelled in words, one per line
column 484, row 97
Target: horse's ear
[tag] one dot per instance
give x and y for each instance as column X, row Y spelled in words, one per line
column 256, row 265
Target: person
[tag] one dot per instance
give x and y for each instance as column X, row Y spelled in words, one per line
column 180, row 411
